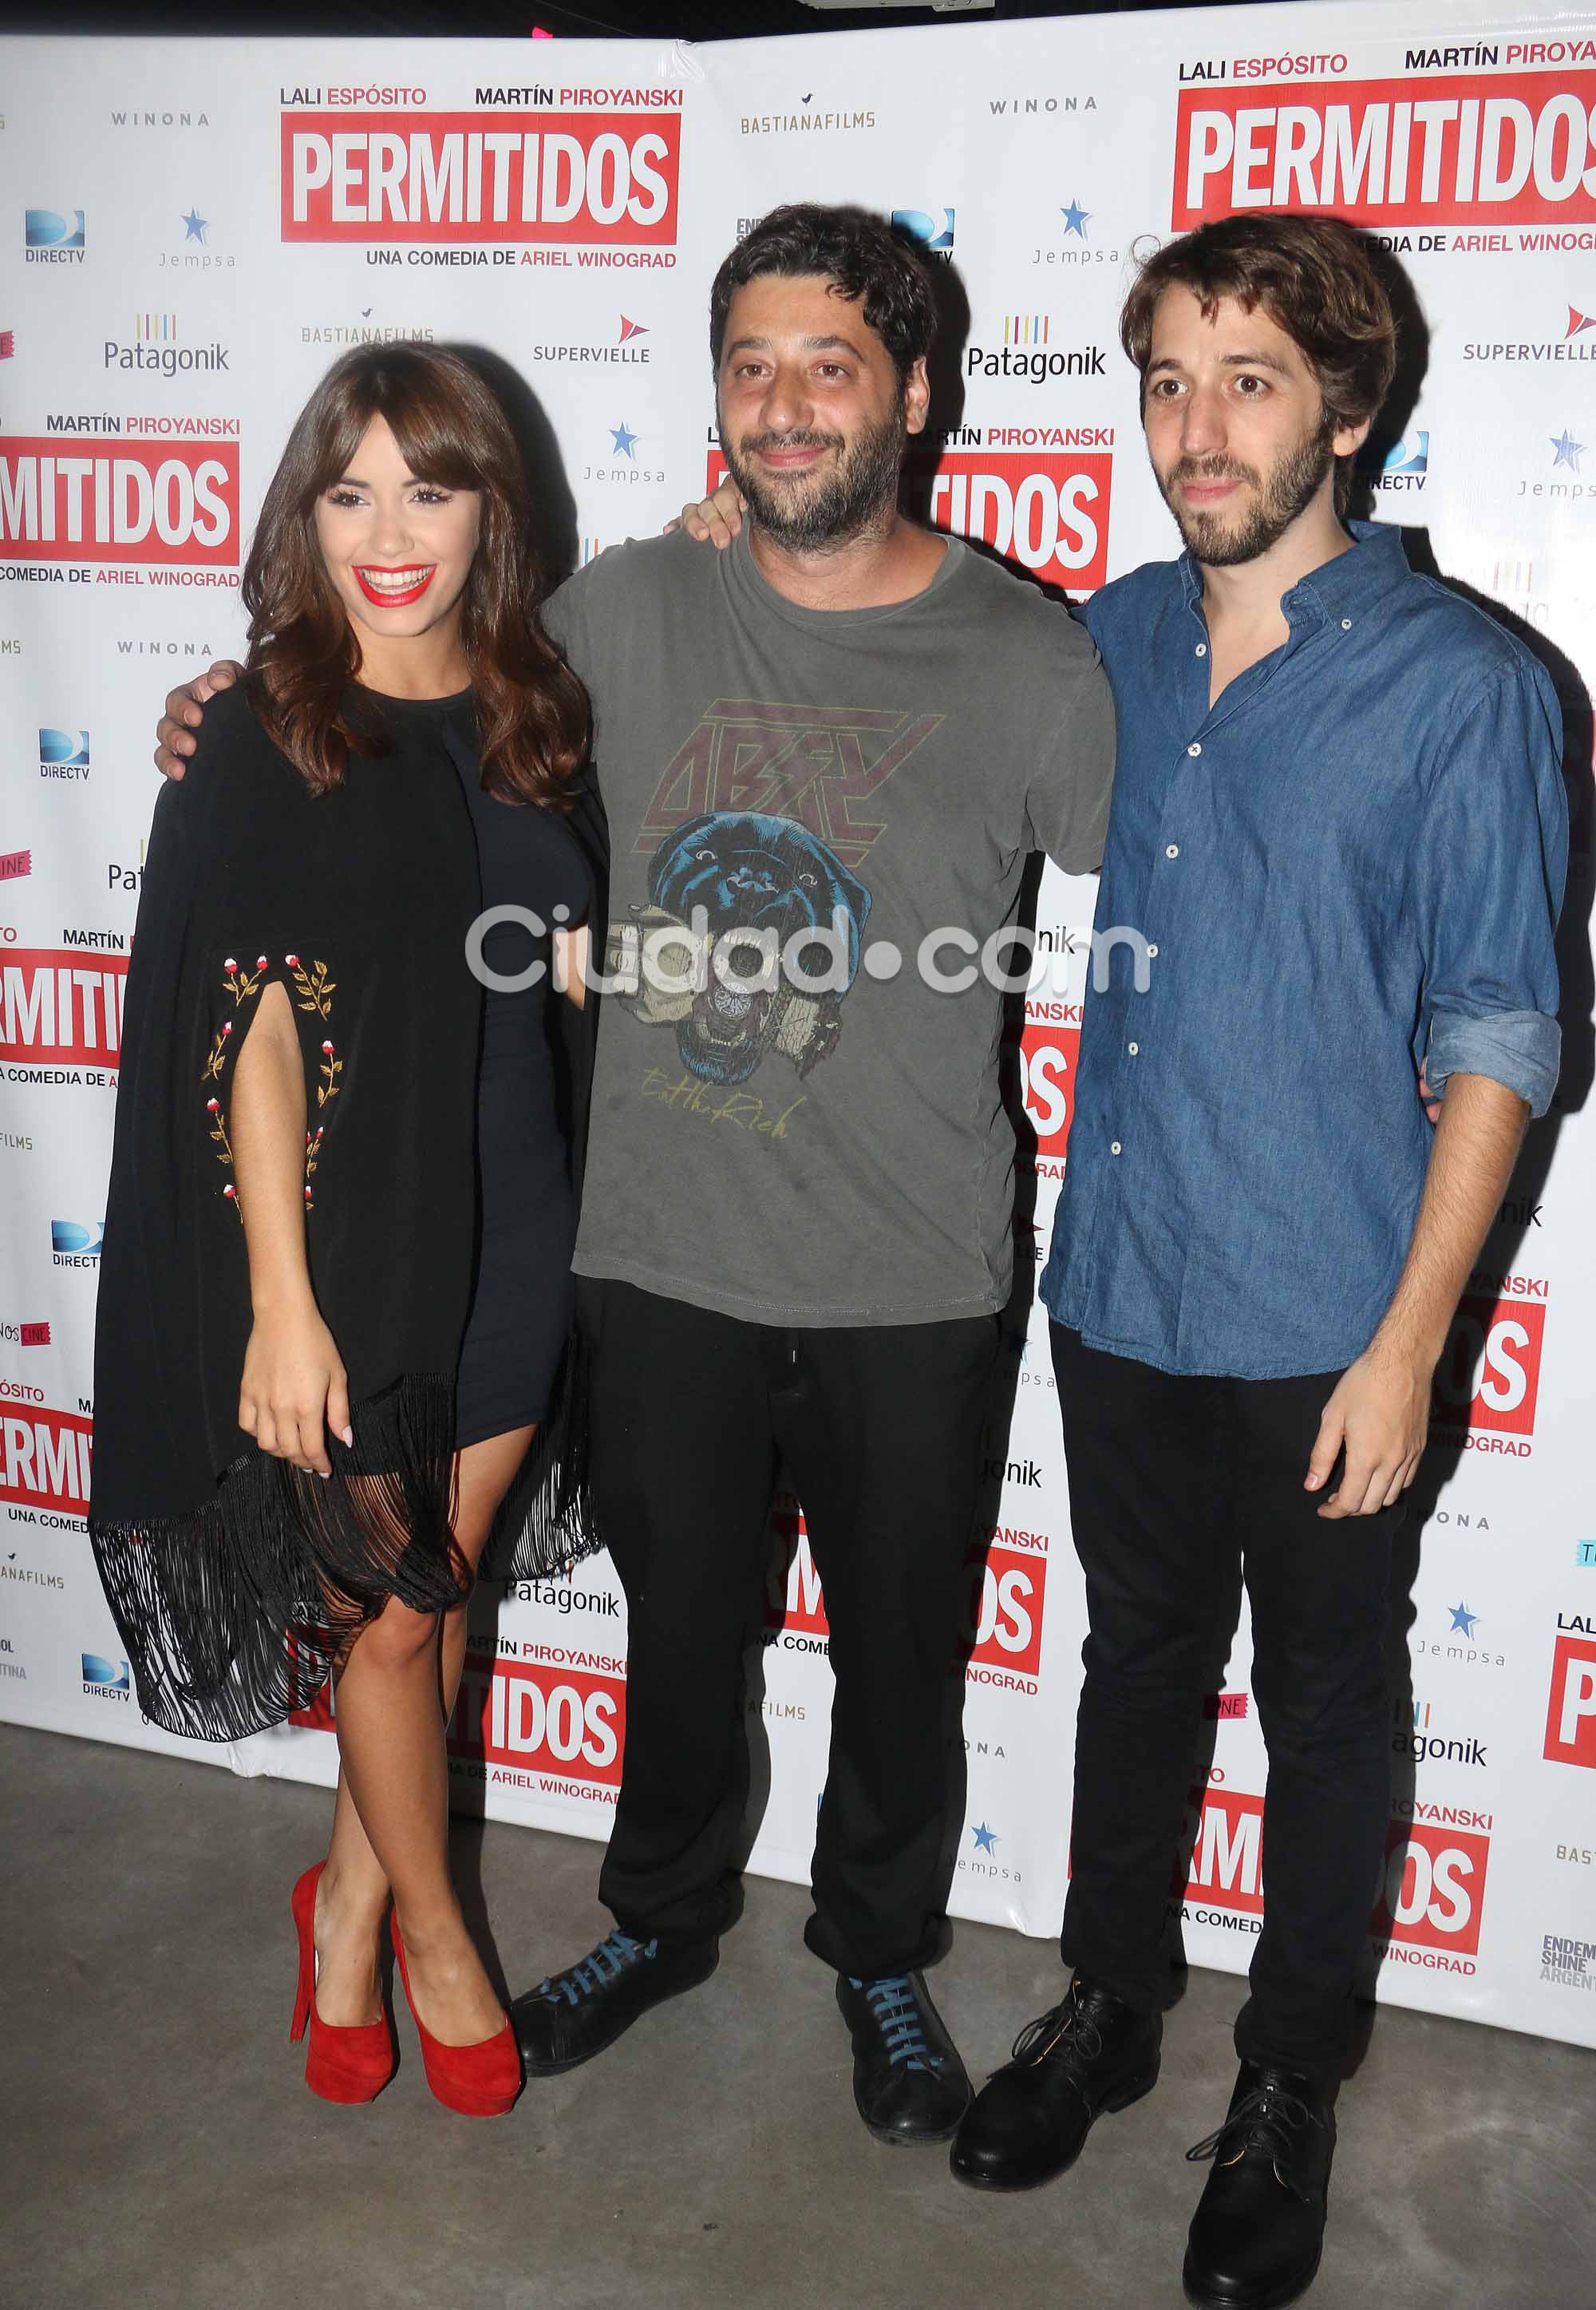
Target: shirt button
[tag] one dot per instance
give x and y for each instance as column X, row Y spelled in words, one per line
column 1202, row 649
column 1193, row 748
column 1152, row 952
column 1171, row 850
column 1346, row 625
column 1114, row 1147
column 1132, row 1048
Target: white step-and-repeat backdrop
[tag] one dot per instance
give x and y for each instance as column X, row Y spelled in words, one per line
column 191, row 231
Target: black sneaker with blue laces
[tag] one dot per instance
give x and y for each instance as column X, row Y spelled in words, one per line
column 909, row 2084
column 573, row 2015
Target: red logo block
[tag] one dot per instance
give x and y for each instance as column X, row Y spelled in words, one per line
column 124, row 501
column 59, row 1005
column 793, row 1597
column 44, row 1458
column 1047, row 511
column 542, row 1718
column 1489, row 1372
column 1434, row 1892
column 1049, row 1055
column 1228, row 1851
column 1003, row 1615
column 1507, row 148
column 1571, row 1711
column 572, row 177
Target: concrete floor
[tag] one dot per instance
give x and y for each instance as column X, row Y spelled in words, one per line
column 159, row 2151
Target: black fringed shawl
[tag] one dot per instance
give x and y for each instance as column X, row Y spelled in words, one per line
column 236, row 1580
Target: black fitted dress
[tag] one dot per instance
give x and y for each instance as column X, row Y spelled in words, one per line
column 520, row 1321
column 236, row 1581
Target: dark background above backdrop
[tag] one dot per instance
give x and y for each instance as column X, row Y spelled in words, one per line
column 686, row 20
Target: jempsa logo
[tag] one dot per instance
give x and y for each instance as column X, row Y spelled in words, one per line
column 1044, row 509
column 1431, row 1892
column 1496, row 149
column 1489, row 1373
column 1571, row 1709
column 128, row 500
column 550, row 1718
column 481, row 175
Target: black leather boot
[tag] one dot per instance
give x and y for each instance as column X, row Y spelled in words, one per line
column 1091, row 2053
column 909, row 2084
column 573, row 2015
column 1258, row 2227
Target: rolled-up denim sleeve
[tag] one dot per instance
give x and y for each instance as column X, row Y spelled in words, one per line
column 1492, row 858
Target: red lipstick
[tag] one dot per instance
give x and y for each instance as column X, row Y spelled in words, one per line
column 395, row 597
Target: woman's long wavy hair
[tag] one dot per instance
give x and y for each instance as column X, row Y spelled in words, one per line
column 531, row 711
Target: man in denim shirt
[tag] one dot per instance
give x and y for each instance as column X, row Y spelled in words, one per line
column 1339, row 829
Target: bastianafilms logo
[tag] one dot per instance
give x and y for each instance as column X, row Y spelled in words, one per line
column 807, row 118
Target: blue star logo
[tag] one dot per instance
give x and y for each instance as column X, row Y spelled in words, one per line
column 1569, row 452
column 986, row 1838
column 1076, row 219
column 1462, row 1618
column 625, row 441
column 196, row 227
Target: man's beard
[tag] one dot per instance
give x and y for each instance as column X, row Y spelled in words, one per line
column 1290, row 487
column 861, row 493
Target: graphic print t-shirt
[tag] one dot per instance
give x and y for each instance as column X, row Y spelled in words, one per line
column 843, row 1157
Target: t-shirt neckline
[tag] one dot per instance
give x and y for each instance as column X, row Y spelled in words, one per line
column 746, row 572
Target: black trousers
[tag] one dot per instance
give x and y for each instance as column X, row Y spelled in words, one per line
column 1176, row 1484
column 879, row 1430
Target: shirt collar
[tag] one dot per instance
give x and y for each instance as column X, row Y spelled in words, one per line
column 1341, row 588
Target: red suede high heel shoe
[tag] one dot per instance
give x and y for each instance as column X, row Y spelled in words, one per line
column 480, row 2081
column 340, row 2064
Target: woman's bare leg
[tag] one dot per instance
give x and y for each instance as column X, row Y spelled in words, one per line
column 392, row 1797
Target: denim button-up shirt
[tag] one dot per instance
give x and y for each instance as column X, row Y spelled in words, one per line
column 1352, row 863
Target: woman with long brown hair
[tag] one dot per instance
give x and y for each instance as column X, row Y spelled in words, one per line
column 301, row 1439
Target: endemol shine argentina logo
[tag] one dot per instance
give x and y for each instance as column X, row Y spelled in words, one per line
column 1037, row 494
column 46, row 1458
column 581, row 178
column 1488, row 1377
column 554, row 1721
column 172, row 503
column 1487, row 149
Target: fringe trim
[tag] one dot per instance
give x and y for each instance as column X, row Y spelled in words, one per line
column 234, row 1616
column 545, row 1522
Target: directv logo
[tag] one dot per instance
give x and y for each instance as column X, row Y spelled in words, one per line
column 106, row 1680
column 1407, row 463
column 64, row 753
column 72, row 1245
column 52, row 239
column 936, row 237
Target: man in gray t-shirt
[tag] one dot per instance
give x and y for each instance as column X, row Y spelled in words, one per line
column 825, row 757
column 833, row 743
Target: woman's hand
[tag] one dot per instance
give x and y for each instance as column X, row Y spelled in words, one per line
column 713, row 521
column 293, row 1379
